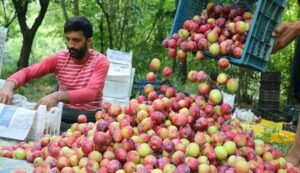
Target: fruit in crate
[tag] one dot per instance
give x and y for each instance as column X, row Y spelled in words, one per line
column 219, row 30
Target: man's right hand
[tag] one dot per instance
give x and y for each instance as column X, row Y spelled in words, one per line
column 7, row 92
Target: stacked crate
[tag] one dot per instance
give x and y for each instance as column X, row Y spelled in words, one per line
column 269, row 97
column 118, row 84
column 269, row 92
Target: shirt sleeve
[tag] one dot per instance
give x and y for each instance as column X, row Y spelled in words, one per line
column 94, row 86
column 46, row 66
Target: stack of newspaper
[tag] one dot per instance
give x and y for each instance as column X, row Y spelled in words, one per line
column 15, row 122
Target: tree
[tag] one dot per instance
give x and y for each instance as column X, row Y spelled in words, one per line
column 76, row 10
column 64, row 8
column 28, row 33
column 9, row 14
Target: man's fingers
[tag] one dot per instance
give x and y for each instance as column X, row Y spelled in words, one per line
column 274, row 48
column 278, row 31
column 37, row 105
column 9, row 99
column 276, row 45
column 3, row 100
column 48, row 105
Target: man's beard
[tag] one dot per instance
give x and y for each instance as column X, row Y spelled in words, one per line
column 79, row 53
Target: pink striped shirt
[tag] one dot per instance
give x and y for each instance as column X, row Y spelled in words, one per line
column 84, row 81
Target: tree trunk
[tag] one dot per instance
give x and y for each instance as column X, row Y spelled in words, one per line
column 28, row 33
column 76, row 8
column 101, row 34
column 64, row 8
column 109, row 27
column 124, row 23
column 174, row 64
column 25, row 51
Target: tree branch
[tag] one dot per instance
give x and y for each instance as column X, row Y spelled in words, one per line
column 21, row 14
column 158, row 13
column 124, row 24
column 64, row 8
column 76, row 7
column 44, row 6
column 7, row 18
column 9, row 22
column 109, row 28
column 2, row 2
column 154, row 23
column 101, row 34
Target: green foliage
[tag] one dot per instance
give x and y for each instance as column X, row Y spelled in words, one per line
column 139, row 26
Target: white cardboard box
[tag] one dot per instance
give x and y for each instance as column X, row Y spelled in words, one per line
column 119, row 88
column 131, row 81
column 118, row 84
column 119, row 72
column 119, row 56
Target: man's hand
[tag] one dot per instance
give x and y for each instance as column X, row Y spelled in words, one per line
column 52, row 99
column 49, row 100
column 285, row 34
column 7, row 92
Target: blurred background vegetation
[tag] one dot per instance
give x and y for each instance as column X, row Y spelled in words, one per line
column 139, row 26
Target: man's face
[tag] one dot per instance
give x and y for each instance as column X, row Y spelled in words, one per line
column 77, row 44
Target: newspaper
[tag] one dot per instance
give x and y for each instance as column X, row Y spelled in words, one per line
column 15, row 122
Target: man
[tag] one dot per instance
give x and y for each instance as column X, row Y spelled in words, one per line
column 80, row 71
column 285, row 34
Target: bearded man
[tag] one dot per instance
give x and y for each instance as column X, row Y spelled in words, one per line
column 80, row 71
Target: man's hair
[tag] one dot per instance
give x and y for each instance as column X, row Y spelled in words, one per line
column 79, row 23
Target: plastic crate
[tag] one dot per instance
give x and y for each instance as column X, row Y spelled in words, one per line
column 259, row 42
column 273, row 132
column 290, row 127
column 273, row 86
column 268, row 105
column 271, row 77
column 293, row 112
column 269, row 95
column 273, row 115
